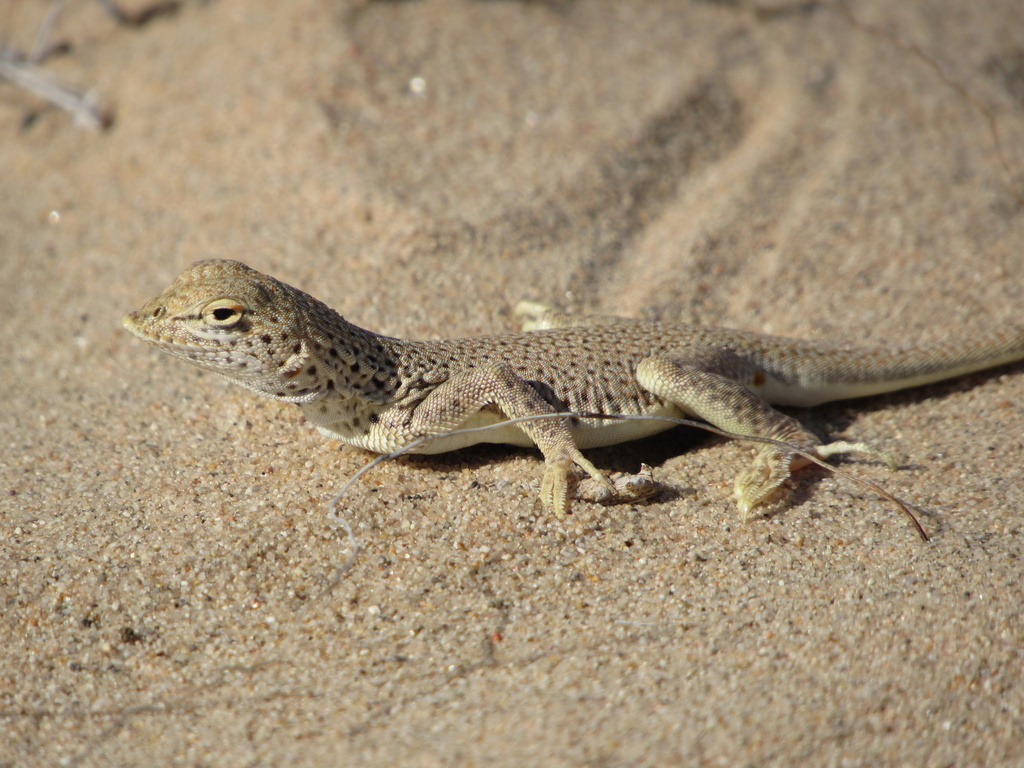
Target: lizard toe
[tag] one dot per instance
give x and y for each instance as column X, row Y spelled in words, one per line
column 843, row 446
column 761, row 481
column 624, row 488
column 555, row 487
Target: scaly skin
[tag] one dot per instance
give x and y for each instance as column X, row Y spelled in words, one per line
column 382, row 393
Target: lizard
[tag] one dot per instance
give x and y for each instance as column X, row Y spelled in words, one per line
column 382, row 393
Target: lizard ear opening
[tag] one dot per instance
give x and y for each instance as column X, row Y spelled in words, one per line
column 293, row 365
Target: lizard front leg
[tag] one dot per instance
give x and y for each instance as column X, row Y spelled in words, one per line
column 715, row 385
column 496, row 385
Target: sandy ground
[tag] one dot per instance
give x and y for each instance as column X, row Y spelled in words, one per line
column 165, row 555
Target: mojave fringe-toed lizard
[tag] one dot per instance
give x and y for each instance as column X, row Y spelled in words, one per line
column 382, row 393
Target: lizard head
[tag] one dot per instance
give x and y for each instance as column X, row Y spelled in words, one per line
column 225, row 317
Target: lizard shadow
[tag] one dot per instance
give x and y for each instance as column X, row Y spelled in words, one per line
column 655, row 451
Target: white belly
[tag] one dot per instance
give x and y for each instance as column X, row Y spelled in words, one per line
column 591, row 433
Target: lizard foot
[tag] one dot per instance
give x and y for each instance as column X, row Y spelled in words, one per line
column 772, row 466
column 557, row 484
column 626, row 488
column 755, row 485
column 530, row 314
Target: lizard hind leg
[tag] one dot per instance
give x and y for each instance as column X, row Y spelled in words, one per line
column 715, row 385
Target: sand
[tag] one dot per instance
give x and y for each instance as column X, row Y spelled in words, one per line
column 165, row 555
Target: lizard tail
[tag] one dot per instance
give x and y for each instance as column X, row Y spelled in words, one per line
column 841, row 374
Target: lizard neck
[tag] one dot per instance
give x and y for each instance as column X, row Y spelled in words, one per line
column 333, row 358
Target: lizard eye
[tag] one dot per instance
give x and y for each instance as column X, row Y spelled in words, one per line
column 223, row 313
